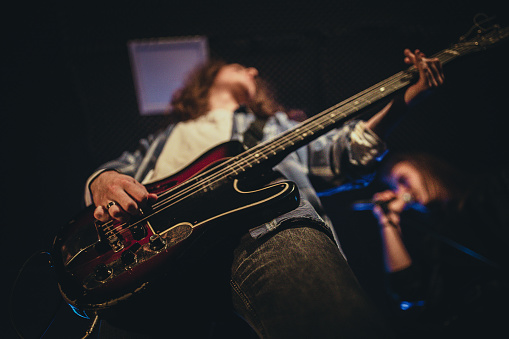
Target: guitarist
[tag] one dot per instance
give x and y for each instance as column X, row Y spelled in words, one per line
column 285, row 278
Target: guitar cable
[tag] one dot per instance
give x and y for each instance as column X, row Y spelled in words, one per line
column 12, row 320
column 13, row 288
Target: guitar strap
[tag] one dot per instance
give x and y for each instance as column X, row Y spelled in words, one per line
column 254, row 134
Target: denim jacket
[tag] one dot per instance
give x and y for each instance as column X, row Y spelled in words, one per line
column 345, row 155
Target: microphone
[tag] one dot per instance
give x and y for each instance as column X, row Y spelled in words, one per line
column 369, row 204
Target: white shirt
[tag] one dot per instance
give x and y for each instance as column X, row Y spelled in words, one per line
column 189, row 140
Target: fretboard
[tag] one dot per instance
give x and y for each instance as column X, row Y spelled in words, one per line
column 274, row 150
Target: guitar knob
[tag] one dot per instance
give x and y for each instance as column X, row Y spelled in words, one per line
column 102, row 272
column 128, row 257
column 156, row 242
column 138, row 232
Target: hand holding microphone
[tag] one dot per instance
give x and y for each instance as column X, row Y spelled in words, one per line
column 369, row 204
column 387, row 207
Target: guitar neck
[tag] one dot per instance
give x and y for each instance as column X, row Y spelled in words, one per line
column 269, row 153
column 274, row 150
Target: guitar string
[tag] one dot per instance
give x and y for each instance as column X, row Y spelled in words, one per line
column 306, row 125
column 323, row 116
column 288, row 138
column 315, row 124
column 255, row 153
column 308, row 129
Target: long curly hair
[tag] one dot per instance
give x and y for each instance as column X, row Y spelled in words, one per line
column 191, row 100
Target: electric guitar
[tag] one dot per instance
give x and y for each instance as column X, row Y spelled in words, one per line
column 100, row 264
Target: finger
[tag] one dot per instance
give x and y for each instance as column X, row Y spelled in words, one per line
column 416, row 57
column 136, row 190
column 139, row 194
column 135, row 205
column 126, row 204
column 397, row 205
column 377, row 210
column 128, row 194
column 152, row 197
column 431, row 73
column 384, row 196
column 421, row 65
column 429, row 77
column 440, row 70
column 140, row 189
column 383, row 219
column 101, row 214
column 409, row 57
column 122, row 211
column 437, row 76
column 116, row 212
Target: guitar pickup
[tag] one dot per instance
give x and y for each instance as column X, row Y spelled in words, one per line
column 116, row 243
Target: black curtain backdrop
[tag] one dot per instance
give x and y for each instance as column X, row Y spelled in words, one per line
column 69, row 104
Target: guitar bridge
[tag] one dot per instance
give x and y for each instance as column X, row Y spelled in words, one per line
column 108, row 238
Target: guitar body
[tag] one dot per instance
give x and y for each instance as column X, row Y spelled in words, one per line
column 99, row 265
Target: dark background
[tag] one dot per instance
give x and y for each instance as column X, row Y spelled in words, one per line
column 69, row 104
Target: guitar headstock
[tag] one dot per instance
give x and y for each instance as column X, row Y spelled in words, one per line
column 480, row 36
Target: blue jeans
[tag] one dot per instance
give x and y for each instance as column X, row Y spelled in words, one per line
column 291, row 284
column 296, row 284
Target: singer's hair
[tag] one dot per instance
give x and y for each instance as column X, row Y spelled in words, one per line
column 432, row 168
